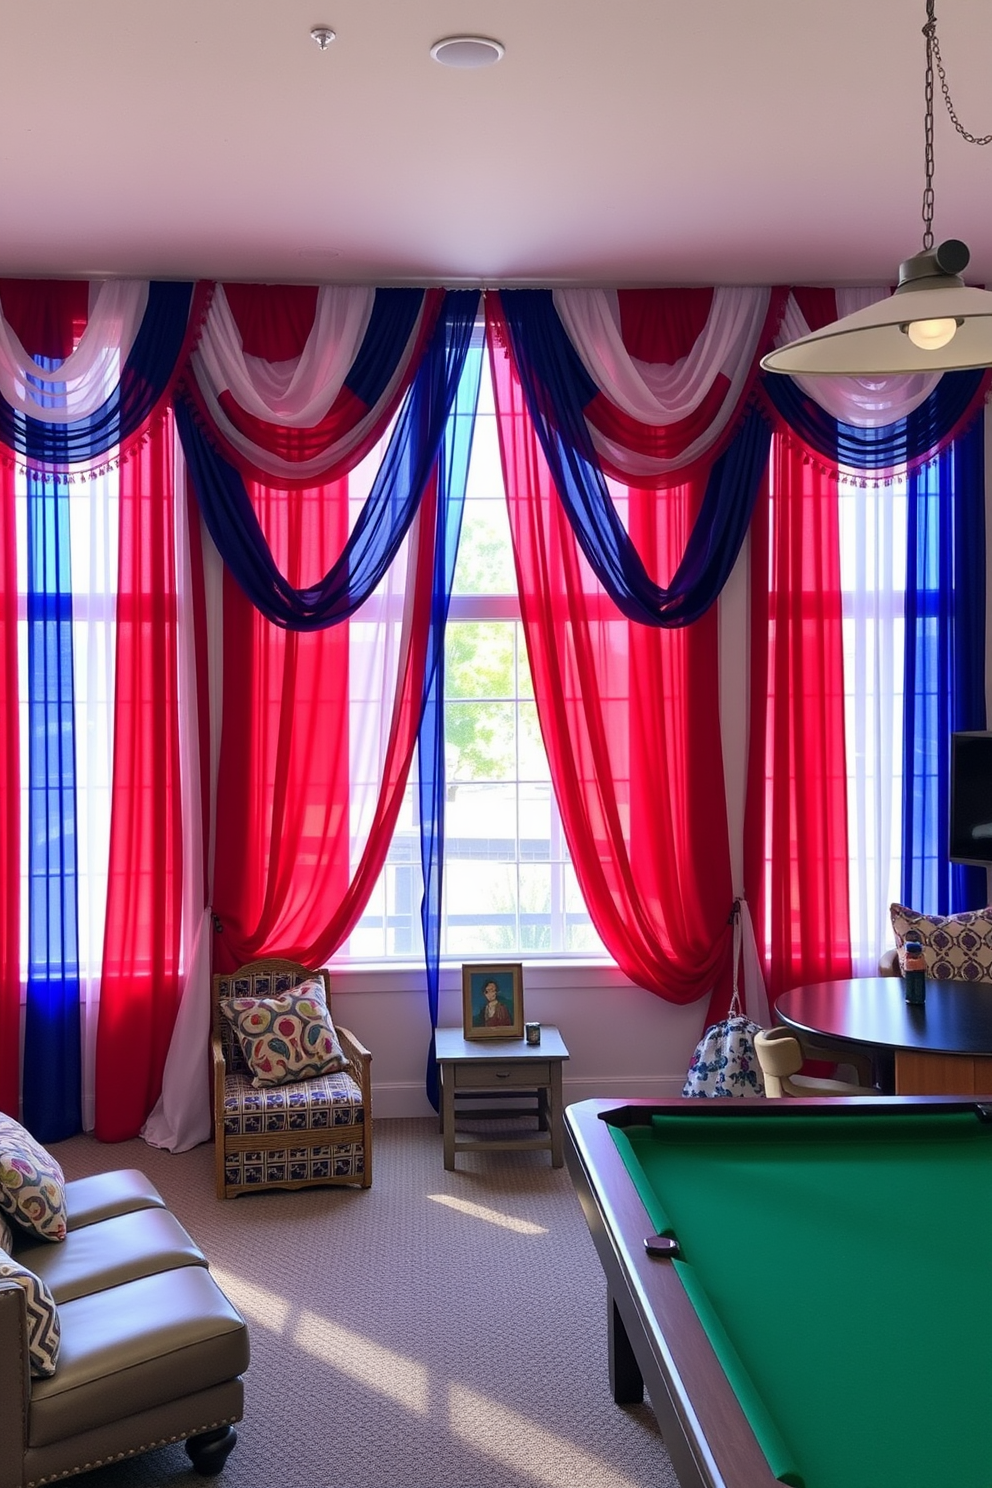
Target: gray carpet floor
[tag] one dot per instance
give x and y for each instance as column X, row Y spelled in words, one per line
column 438, row 1330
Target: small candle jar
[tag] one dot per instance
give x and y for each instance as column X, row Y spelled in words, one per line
column 532, row 1033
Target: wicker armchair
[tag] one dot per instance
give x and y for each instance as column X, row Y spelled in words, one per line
column 300, row 1135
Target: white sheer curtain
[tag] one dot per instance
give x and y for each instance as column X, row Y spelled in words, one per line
column 181, row 1118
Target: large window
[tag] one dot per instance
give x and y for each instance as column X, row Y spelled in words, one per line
column 509, row 886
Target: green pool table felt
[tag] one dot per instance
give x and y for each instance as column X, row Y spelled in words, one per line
column 843, row 1272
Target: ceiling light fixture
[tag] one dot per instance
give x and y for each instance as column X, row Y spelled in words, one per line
column 322, row 35
column 932, row 322
column 467, row 51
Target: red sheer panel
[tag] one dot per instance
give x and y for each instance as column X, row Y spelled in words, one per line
column 140, row 986
column 274, row 319
column 46, row 315
column 282, row 876
column 795, row 838
column 630, row 719
column 662, row 325
column 281, row 857
column 10, row 809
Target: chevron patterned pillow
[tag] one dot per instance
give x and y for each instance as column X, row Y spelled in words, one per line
column 44, row 1331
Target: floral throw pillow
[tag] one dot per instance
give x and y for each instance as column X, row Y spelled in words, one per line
column 956, row 948
column 288, row 1037
column 44, row 1329
column 32, row 1184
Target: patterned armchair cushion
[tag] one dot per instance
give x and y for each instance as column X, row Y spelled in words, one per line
column 320, row 1104
column 44, row 1330
column 287, row 1037
column 955, row 947
column 32, row 1184
column 322, row 1120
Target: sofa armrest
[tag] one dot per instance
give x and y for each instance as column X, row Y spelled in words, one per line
column 15, row 1383
column 888, row 963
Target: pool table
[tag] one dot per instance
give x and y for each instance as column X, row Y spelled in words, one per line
column 818, row 1307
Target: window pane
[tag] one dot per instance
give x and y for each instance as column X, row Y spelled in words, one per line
column 480, row 741
column 481, row 907
column 479, row 659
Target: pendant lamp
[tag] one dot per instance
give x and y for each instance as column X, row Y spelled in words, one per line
column 933, row 322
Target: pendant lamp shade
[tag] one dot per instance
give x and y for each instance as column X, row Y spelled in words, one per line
column 874, row 340
column 933, row 323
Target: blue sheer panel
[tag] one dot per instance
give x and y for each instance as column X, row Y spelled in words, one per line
column 885, row 448
column 557, row 388
column 453, row 463
column 144, row 378
column 52, row 1062
column 386, row 515
column 945, row 664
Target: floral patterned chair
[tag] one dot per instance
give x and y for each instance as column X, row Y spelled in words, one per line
column 299, row 1134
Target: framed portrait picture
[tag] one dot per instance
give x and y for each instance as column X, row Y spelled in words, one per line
column 493, row 1001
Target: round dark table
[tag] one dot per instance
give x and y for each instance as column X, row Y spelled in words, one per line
column 943, row 1047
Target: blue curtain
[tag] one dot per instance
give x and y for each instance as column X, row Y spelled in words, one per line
column 144, row 378
column 557, row 388
column 944, row 664
column 386, row 515
column 452, row 477
column 52, row 1076
column 909, row 439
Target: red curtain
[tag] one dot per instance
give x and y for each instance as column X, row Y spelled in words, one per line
column 283, row 882
column 140, row 986
column 630, row 719
column 10, row 809
column 795, row 835
column 283, row 879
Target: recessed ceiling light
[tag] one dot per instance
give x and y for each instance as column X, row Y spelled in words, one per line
column 322, row 35
column 467, row 51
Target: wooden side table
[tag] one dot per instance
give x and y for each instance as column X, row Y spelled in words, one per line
column 474, row 1067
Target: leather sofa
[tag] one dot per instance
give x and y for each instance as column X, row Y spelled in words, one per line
column 151, row 1351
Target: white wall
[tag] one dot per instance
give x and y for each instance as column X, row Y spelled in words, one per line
column 623, row 1041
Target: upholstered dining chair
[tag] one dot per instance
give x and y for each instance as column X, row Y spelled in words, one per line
column 780, row 1056
column 285, row 1132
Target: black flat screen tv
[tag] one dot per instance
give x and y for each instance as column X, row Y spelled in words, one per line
column 971, row 799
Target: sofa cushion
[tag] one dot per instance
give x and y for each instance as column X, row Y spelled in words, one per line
column 955, row 947
column 32, row 1184
column 134, row 1347
column 101, row 1195
column 100, row 1256
column 289, row 1037
column 44, row 1333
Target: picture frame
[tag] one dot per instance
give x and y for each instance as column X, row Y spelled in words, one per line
column 507, row 1022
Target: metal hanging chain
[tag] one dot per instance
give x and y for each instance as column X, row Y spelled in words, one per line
column 934, row 58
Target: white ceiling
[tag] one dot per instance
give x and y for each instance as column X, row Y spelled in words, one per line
column 635, row 142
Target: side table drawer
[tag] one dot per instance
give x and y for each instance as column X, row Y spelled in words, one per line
column 492, row 1074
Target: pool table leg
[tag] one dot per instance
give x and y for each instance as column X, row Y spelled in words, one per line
column 626, row 1380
